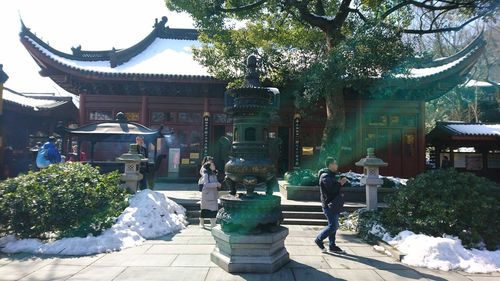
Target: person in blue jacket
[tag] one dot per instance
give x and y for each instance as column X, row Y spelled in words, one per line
column 48, row 154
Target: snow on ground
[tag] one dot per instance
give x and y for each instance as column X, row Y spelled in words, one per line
column 150, row 214
column 355, row 179
column 442, row 253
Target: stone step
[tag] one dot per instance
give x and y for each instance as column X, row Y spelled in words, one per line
column 303, row 215
column 304, row 222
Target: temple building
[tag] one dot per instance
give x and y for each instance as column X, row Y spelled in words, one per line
column 157, row 83
column 28, row 120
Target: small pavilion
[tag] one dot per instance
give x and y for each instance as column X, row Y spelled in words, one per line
column 473, row 147
column 112, row 138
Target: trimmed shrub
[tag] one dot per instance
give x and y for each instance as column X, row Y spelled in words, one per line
column 301, row 177
column 448, row 202
column 362, row 222
column 65, row 200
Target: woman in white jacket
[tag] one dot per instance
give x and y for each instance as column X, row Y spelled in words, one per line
column 209, row 194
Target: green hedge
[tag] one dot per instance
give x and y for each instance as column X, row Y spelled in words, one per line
column 65, row 200
column 447, row 202
column 303, row 177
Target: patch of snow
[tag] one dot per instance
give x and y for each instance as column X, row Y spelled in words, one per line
column 442, row 253
column 428, row 71
column 355, row 179
column 27, row 101
column 163, row 56
column 150, row 214
column 377, row 230
column 476, row 129
column 382, row 250
column 476, row 83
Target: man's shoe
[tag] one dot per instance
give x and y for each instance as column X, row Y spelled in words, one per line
column 335, row 249
column 320, row 244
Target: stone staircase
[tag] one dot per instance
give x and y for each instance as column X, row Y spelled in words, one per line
column 294, row 214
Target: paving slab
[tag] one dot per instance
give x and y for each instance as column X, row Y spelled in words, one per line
column 218, row 274
column 316, row 274
column 437, row 275
column 134, row 250
column 53, row 272
column 77, row 260
column 136, row 260
column 18, row 269
column 163, row 274
column 202, row 260
column 181, row 249
column 101, row 273
column 358, row 275
column 400, row 274
column 348, row 261
column 365, row 251
column 386, row 263
column 307, row 261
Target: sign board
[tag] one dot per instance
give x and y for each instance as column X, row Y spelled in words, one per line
column 174, row 156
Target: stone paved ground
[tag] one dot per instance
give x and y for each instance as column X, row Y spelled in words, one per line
column 186, row 256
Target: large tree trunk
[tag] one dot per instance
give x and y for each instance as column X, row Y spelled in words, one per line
column 334, row 126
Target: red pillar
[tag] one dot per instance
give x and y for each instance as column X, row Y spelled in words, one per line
column 144, row 111
column 83, row 110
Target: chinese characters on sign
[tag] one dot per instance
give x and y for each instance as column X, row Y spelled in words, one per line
column 206, row 132
column 296, row 140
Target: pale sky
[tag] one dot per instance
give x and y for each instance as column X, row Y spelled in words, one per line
column 94, row 24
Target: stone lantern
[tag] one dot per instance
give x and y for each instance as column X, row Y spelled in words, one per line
column 370, row 177
column 250, row 238
column 132, row 161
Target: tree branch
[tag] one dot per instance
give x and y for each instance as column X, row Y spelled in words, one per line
column 444, row 29
column 313, row 19
column 361, row 16
column 241, row 8
column 450, row 5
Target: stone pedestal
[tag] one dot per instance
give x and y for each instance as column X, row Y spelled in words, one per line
column 371, row 197
column 259, row 253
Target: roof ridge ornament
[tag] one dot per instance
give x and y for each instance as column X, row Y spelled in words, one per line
column 162, row 23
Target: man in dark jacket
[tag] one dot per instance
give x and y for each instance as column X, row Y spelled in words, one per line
column 331, row 201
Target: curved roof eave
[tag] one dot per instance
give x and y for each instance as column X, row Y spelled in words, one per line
column 45, row 60
column 112, row 128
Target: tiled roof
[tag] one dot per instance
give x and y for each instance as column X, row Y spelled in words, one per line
column 165, row 52
column 36, row 103
column 471, row 129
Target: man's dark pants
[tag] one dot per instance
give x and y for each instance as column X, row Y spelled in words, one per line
column 331, row 229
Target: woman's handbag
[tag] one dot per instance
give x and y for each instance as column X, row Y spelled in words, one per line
column 337, row 204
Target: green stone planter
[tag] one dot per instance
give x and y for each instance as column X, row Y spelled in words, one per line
column 311, row 193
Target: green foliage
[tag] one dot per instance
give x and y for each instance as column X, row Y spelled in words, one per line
column 387, row 183
column 70, row 199
column 368, row 51
column 447, row 202
column 303, row 177
column 361, row 221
